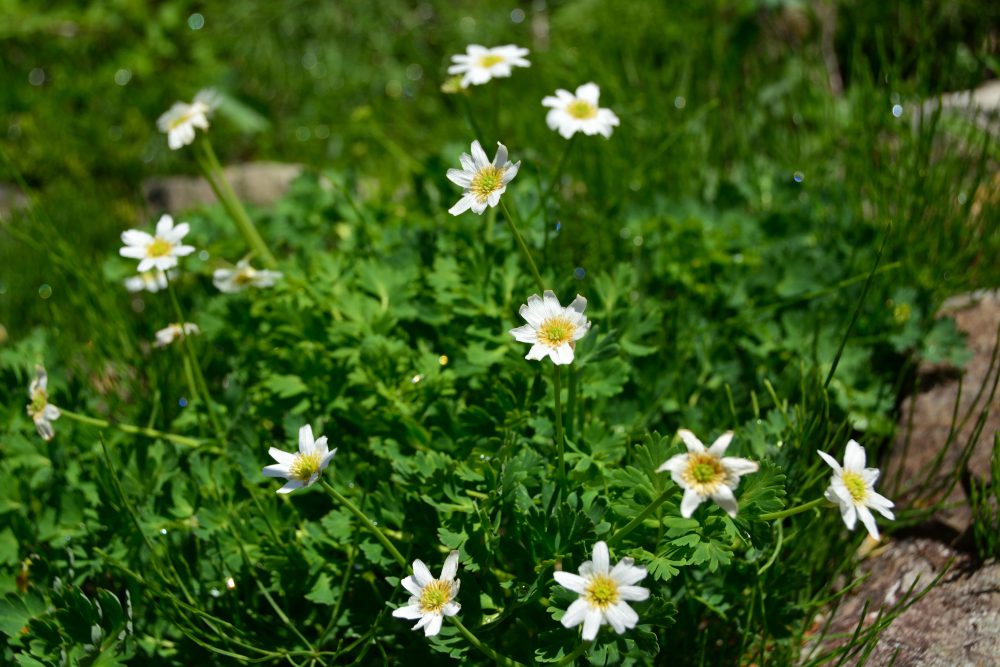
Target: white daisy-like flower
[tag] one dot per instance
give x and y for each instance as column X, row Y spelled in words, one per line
column 551, row 329
column 484, row 181
column 159, row 251
column 242, row 277
column 571, row 113
column 149, row 281
column 431, row 599
column 853, row 488
column 180, row 121
column 479, row 64
column 604, row 592
column 40, row 410
column 706, row 473
column 304, row 468
column 173, row 331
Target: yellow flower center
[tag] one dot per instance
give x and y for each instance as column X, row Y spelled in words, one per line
column 159, row 248
column 581, row 109
column 180, row 120
column 304, row 466
column 490, row 60
column 555, row 331
column 855, row 486
column 487, row 180
column 39, row 399
column 602, row 592
column 244, row 277
column 704, row 472
column 435, row 596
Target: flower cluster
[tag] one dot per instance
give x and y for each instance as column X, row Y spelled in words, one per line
column 180, row 121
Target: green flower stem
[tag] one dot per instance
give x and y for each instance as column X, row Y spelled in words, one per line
column 571, row 401
column 791, row 511
column 224, row 191
column 560, row 437
column 130, row 429
column 634, row 523
column 524, row 246
column 502, row 660
column 571, row 657
column 554, row 181
column 375, row 530
column 195, row 367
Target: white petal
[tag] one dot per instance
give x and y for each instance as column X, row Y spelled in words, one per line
column 621, row 617
column 451, row 608
column 281, row 456
column 736, row 467
column 869, row 521
column 881, row 504
column 306, row 441
column 434, row 626
column 177, row 233
column 51, row 412
column 409, row 612
column 525, row 334
column 690, row 503
column 136, row 237
column 421, row 573
column 591, row 624
column 575, row 613
column 633, row 593
column 601, row 558
column 579, row 304
column 830, row 461
column 691, row 440
column 849, row 514
column 164, row 225
column 854, row 458
column 551, row 302
column 500, row 159
column 675, row 464
column 290, row 486
column 450, row 568
column 562, row 355
column 325, row 461
column 568, row 580
column 589, row 92
column 726, row 500
column 462, row 205
column 276, row 470
column 479, row 155
column 537, row 352
column 459, row 177
column 625, row 573
column 718, row 447
column 412, row 586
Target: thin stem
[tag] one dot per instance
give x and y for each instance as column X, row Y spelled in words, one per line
column 375, row 530
column 791, row 511
column 554, row 181
column 195, row 367
column 571, row 402
column 560, row 438
column 637, row 521
column 486, row 650
column 235, row 207
column 524, row 246
column 571, row 657
column 130, row 429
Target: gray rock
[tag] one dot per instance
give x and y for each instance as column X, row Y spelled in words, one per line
column 926, row 418
column 259, row 183
column 980, row 105
column 956, row 624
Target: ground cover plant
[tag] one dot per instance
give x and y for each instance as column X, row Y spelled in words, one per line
column 578, row 341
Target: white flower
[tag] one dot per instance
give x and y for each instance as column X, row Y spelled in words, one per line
column 173, row 331
column 304, row 468
column 571, row 113
column 551, row 329
column 706, row 473
column 853, row 488
column 243, row 276
column 480, row 64
column 180, row 121
column 483, row 181
column 40, row 410
column 160, row 251
column 150, row 281
column 604, row 593
column 431, row 599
